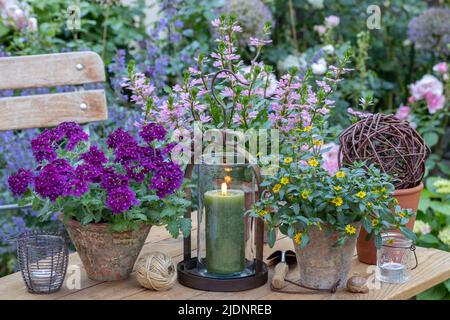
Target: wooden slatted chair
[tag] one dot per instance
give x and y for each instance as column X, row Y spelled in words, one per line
column 49, row 110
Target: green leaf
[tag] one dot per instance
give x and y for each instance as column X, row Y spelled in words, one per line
column 431, row 138
column 185, row 225
column 378, row 241
column 367, row 224
column 408, row 233
column 440, row 207
column 271, row 237
column 296, row 208
column 447, row 285
column 436, row 293
column 173, row 229
column 429, row 239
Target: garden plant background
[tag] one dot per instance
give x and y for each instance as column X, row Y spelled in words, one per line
column 400, row 51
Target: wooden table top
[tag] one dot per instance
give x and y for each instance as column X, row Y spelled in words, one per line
column 434, row 268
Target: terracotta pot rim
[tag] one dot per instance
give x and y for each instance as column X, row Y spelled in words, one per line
column 404, row 192
column 101, row 226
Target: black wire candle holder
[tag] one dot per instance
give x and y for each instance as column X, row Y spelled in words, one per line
column 43, row 259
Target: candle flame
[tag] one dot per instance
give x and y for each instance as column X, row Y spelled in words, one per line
column 224, row 189
column 227, row 179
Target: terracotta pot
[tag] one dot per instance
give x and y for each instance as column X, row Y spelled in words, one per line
column 321, row 264
column 407, row 199
column 106, row 255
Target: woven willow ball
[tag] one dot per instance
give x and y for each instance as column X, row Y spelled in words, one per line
column 393, row 145
column 156, row 271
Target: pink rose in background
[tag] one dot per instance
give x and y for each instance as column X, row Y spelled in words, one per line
column 441, row 67
column 435, row 102
column 320, row 29
column 411, row 99
column 332, row 21
column 330, row 158
column 403, row 113
column 427, row 85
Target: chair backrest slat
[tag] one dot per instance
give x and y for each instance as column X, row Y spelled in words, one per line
column 51, row 70
column 47, row 71
column 49, row 110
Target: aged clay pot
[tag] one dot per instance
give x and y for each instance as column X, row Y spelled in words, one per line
column 407, row 199
column 106, row 255
column 321, row 264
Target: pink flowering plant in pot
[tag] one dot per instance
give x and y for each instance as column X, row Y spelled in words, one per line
column 322, row 207
column 108, row 199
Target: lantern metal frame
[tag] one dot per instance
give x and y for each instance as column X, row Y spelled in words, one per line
column 188, row 274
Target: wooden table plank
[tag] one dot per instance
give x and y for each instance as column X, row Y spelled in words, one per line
column 434, row 267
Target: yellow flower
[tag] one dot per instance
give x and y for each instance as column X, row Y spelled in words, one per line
column 305, row 194
column 383, row 190
column 298, row 238
column 402, row 215
column 369, row 204
column 385, row 196
column 294, row 147
column 375, row 222
column 376, row 191
column 287, row 160
column 337, row 188
column 263, row 212
column 337, row 201
column 340, row 174
column 307, row 129
column 361, row 194
column 317, row 143
column 276, row 188
column 284, row 180
column 313, row 162
column 349, row 229
column 395, row 201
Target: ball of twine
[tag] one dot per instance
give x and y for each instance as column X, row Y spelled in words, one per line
column 156, row 271
column 392, row 144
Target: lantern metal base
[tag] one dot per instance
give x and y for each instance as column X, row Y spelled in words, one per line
column 189, row 276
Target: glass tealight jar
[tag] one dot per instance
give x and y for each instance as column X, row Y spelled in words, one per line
column 395, row 258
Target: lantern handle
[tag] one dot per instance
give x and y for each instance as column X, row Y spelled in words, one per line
column 413, row 249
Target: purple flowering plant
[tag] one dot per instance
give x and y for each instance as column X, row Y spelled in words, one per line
column 220, row 79
column 127, row 184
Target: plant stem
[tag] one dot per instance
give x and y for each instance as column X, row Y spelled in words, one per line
column 293, row 25
column 105, row 32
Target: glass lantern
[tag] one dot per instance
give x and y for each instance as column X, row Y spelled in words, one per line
column 229, row 241
column 395, row 258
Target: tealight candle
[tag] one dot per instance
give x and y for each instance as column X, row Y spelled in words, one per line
column 392, row 272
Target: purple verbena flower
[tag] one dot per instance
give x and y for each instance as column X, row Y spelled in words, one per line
column 54, row 180
column 136, row 173
column 119, row 137
column 88, row 172
column 152, row 132
column 111, row 181
column 43, row 146
column 167, row 179
column 121, row 199
column 19, row 182
column 72, row 132
column 94, row 157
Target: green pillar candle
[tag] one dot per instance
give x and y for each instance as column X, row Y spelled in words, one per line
column 225, row 231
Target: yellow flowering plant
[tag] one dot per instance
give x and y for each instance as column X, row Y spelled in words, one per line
column 337, row 203
column 304, row 193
